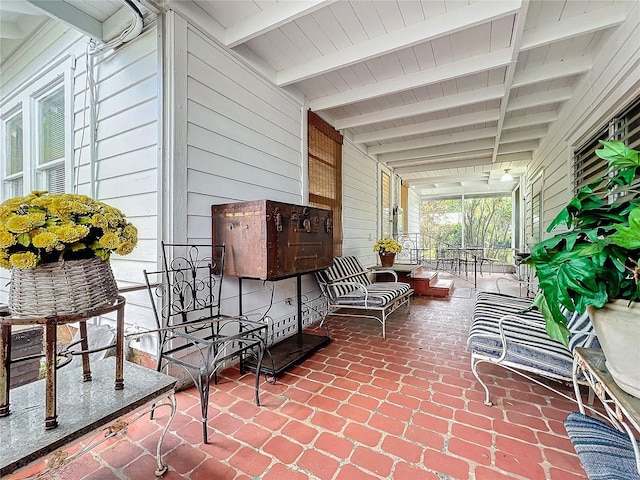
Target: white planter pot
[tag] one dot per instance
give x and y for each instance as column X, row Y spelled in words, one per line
column 618, row 328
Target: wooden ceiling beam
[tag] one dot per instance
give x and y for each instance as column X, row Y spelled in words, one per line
column 421, row 32
column 455, row 148
column 431, row 126
column 590, row 22
column 441, row 73
column 270, row 19
column 434, row 140
column 471, row 97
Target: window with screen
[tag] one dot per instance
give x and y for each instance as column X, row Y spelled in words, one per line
column 625, row 127
column 36, row 133
column 51, row 140
column 325, row 173
column 14, row 148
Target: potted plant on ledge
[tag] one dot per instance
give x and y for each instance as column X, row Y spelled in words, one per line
column 593, row 266
column 387, row 249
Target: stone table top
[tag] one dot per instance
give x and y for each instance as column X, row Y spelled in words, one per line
column 82, row 408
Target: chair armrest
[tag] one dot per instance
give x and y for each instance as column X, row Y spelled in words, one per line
column 503, row 336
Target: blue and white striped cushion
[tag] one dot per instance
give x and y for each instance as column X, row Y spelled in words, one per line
column 586, row 337
column 343, row 269
column 533, row 349
column 605, row 453
column 379, row 294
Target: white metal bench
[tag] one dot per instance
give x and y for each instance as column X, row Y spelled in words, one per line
column 347, row 285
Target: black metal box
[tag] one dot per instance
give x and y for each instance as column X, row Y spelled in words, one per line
column 269, row 240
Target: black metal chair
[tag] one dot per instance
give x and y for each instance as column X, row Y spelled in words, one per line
column 192, row 333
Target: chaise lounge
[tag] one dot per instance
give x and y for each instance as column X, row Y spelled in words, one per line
column 346, row 284
column 505, row 332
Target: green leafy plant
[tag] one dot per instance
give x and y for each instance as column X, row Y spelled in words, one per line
column 596, row 260
column 43, row 227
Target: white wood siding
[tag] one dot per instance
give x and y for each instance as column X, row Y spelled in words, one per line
column 126, row 139
column 359, row 204
column 610, row 85
column 243, row 142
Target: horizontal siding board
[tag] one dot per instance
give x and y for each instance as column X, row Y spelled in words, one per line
column 359, row 203
column 216, row 144
column 252, row 83
column 142, row 114
column 216, row 122
column 138, row 138
column 215, row 91
column 229, row 169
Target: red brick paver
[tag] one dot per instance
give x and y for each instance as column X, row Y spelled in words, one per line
column 361, row 408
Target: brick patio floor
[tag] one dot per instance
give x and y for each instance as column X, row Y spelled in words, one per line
column 407, row 408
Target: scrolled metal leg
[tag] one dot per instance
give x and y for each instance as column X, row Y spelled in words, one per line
column 162, row 468
column 474, row 369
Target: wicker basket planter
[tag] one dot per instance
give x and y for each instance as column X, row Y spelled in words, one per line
column 62, row 288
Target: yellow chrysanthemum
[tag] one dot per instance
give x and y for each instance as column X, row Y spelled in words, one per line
column 130, row 233
column 46, row 239
column 110, row 241
column 125, row 248
column 23, row 260
column 70, row 223
column 19, row 224
column 4, row 260
column 99, row 220
column 69, row 233
column 7, row 239
column 113, row 219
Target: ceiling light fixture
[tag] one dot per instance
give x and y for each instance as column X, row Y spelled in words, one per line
column 506, row 177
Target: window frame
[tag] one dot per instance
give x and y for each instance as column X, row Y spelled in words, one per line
column 26, row 100
column 615, row 128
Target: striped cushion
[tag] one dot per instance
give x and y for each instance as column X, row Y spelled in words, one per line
column 343, row 269
column 605, row 453
column 379, row 294
column 586, row 338
column 534, row 348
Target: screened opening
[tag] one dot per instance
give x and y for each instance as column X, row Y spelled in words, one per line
column 325, row 173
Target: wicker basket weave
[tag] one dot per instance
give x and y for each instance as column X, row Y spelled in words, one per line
column 67, row 287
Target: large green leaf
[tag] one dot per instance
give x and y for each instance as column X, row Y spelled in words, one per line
column 618, row 154
column 628, row 237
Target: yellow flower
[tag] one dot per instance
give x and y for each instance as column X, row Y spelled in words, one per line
column 35, row 226
column 69, row 233
column 7, row 239
column 46, row 240
column 125, row 248
column 98, row 220
column 387, row 245
column 23, row 260
column 4, row 260
column 130, row 233
column 110, row 241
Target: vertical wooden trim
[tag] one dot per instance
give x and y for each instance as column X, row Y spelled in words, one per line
column 404, row 203
column 174, row 179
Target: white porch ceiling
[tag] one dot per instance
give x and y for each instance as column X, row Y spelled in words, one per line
column 449, row 93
